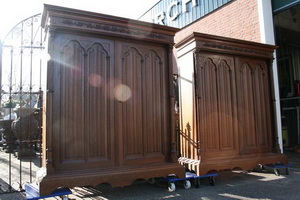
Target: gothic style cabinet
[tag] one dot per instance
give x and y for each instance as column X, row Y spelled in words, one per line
column 227, row 116
column 110, row 103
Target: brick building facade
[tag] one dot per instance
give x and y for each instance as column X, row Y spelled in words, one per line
column 223, row 22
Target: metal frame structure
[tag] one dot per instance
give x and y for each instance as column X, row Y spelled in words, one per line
column 21, row 80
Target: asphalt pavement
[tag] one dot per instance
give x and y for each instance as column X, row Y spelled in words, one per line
column 228, row 185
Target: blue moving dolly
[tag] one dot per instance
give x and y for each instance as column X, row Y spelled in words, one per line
column 189, row 176
column 276, row 168
column 32, row 192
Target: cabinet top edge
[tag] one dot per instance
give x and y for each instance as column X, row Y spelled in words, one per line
column 68, row 19
column 213, row 43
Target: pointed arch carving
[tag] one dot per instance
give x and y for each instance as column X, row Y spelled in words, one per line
column 131, row 51
column 100, row 47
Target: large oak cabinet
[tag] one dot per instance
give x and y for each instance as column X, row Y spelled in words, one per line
column 226, row 99
column 110, row 102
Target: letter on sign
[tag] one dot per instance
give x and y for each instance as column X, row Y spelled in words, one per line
column 185, row 2
column 169, row 11
column 159, row 18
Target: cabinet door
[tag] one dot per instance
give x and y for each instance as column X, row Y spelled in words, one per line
column 216, row 110
column 83, row 111
column 254, row 102
column 142, row 103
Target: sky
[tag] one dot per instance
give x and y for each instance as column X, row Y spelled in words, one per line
column 14, row 11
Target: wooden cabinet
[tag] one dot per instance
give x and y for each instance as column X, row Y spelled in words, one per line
column 110, row 105
column 227, row 116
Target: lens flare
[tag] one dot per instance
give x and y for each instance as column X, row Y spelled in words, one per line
column 122, row 92
column 48, row 57
column 95, row 80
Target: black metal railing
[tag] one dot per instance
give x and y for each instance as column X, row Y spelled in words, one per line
column 21, row 79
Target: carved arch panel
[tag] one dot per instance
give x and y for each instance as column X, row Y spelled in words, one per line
column 99, row 105
column 155, row 102
column 72, row 114
column 144, row 122
column 83, row 109
column 254, row 106
column 216, row 105
column 132, row 109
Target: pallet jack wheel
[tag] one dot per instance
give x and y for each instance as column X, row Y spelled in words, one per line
column 171, row 187
column 277, row 172
column 287, row 171
column 187, row 184
column 212, row 181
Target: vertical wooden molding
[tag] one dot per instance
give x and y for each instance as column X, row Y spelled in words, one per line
column 172, row 106
column 197, row 96
column 196, row 63
column 86, row 105
column 48, row 113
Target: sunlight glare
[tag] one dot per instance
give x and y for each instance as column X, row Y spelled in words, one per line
column 238, row 197
column 48, row 57
column 171, row 196
column 95, row 80
column 122, row 92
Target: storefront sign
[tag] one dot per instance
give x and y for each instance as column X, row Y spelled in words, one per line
column 173, row 11
column 179, row 13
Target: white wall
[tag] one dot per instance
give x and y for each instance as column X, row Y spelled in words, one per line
column 267, row 37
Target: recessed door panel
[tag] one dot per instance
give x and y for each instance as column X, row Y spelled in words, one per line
column 216, row 105
column 83, row 107
column 254, row 106
column 144, row 103
column 99, row 107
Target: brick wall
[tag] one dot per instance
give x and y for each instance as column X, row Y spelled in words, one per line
column 238, row 19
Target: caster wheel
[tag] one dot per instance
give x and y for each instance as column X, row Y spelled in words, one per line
column 197, row 183
column 212, row 181
column 259, row 167
column 277, row 172
column 187, row 184
column 171, row 187
column 287, row 171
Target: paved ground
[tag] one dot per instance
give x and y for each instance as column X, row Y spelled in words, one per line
column 14, row 171
column 229, row 185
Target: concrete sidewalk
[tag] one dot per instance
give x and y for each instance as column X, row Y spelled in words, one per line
column 229, row 185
